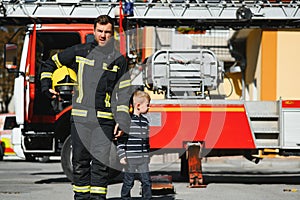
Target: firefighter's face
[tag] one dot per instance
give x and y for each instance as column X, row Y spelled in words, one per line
column 103, row 33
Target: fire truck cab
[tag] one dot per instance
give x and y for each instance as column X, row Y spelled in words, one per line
column 44, row 123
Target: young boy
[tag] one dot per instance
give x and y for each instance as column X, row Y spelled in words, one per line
column 133, row 148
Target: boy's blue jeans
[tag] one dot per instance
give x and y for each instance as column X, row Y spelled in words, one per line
column 143, row 171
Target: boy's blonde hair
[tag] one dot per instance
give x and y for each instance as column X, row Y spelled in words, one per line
column 140, row 96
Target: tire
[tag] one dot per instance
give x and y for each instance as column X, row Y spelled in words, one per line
column 29, row 157
column 1, row 152
column 66, row 160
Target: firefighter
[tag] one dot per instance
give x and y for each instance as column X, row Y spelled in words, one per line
column 100, row 105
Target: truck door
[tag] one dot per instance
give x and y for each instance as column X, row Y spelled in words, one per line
column 47, row 44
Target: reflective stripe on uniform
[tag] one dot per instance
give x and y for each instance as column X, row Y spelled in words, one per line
column 46, row 75
column 86, row 61
column 123, row 108
column 98, row 190
column 114, row 69
column 124, row 84
column 107, row 115
column 78, row 112
column 107, row 100
column 81, row 62
column 56, row 60
column 79, row 79
column 82, row 189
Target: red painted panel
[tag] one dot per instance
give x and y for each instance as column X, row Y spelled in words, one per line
column 47, row 119
column 291, row 104
column 220, row 127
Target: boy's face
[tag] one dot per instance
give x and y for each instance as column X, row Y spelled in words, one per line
column 103, row 33
column 144, row 107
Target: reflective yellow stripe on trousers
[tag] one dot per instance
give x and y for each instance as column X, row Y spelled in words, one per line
column 98, row 190
column 82, row 189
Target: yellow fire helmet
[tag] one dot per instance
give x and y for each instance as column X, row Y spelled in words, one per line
column 63, row 76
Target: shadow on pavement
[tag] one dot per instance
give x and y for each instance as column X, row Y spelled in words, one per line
column 252, row 178
column 209, row 177
column 171, row 197
column 53, row 180
column 48, row 173
column 242, row 177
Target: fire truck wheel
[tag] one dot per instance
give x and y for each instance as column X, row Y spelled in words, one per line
column 29, row 157
column 1, row 152
column 66, row 158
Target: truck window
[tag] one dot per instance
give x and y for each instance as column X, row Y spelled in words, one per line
column 52, row 42
column 47, row 44
column 89, row 38
column 10, row 123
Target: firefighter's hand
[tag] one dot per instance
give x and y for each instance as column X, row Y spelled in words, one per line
column 123, row 161
column 117, row 132
column 52, row 94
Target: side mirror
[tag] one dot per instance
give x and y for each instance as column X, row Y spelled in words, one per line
column 10, row 57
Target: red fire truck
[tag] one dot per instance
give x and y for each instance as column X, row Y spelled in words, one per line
column 189, row 117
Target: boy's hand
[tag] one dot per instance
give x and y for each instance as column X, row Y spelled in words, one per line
column 123, row 161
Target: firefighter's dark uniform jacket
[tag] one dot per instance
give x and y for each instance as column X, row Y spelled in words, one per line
column 101, row 96
column 103, row 90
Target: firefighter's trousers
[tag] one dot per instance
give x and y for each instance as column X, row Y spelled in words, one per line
column 91, row 144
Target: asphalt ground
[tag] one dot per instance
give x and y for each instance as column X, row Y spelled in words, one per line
column 226, row 178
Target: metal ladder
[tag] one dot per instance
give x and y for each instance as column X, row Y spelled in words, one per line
column 265, row 122
column 222, row 13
